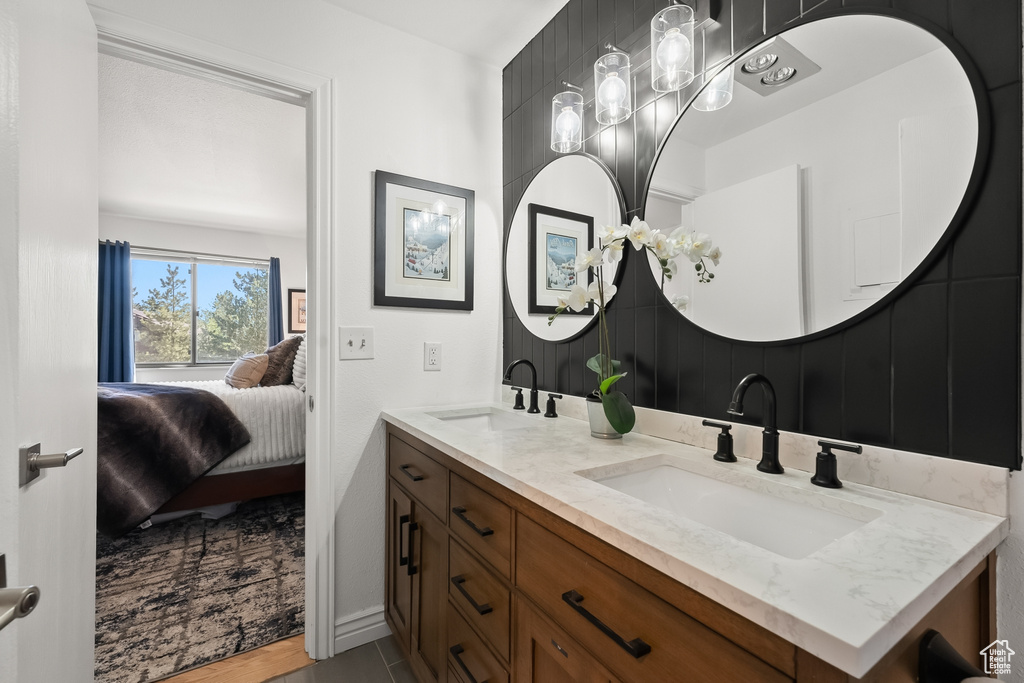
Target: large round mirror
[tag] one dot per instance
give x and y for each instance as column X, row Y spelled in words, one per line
column 833, row 173
column 554, row 223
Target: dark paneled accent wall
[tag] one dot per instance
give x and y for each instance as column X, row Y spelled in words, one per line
column 936, row 371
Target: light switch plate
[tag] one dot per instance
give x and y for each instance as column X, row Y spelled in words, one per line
column 355, row 343
column 431, row 356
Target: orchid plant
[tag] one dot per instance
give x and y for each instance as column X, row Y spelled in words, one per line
column 666, row 248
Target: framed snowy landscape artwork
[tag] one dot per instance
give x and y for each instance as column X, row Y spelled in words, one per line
column 423, row 243
column 557, row 239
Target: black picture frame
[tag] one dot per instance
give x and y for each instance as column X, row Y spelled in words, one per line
column 296, row 311
column 423, row 243
column 548, row 225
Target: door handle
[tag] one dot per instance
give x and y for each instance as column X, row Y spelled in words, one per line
column 15, row 602
column 32, row 461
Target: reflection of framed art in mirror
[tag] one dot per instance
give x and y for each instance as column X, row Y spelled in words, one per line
column 557, row 239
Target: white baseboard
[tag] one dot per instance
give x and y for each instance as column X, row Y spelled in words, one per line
column 360, row 628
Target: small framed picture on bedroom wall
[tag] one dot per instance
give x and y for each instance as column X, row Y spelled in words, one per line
column 423, row 243
column 296, row 310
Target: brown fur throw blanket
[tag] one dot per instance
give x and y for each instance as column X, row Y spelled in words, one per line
column 153, row 442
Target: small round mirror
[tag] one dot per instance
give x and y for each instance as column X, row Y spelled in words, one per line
column 554, row 224
column 831, row 176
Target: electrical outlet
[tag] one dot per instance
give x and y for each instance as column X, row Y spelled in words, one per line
column 431, row 356
column 355, row 343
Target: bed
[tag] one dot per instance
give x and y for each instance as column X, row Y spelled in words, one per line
column 171, row 446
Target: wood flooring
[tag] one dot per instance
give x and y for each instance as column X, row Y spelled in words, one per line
column 261, row 664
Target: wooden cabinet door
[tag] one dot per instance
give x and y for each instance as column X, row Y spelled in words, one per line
column 546, row 653
column 398, row 581
column 429, row 558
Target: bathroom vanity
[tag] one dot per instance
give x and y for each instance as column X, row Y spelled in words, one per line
column 522, row 549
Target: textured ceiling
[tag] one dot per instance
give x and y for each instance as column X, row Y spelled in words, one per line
column 492, row 31
column 181, row 149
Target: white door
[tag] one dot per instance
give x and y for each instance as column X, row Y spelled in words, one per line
column 48, row 239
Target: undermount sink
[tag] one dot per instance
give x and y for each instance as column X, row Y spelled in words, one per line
column 786, row 520
column 484, row 419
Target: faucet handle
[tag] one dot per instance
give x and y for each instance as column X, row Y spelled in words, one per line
column 825, row 463
column 724, row 452
column 551, row 405
column 519, row 399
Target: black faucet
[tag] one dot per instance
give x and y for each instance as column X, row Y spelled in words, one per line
column 533, row 385
column 770, row 440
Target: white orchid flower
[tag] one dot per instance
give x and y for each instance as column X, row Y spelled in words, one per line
column 681, row 302
column 562, row 301
column 701, row 244
column 589, row 259
column 594, row 291
column 662, row 245
column 614, row 252
column 715, row 255
column 578, row 298
column 609, row 233
column 640, row 233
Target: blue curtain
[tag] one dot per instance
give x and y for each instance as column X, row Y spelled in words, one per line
column 117, row 348
column 275, row 323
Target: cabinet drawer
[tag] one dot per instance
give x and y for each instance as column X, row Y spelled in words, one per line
column 468, row 655
column 484, row 599
column 546, row 654
column 419, row 475
column 636, row 634
column 483, row 523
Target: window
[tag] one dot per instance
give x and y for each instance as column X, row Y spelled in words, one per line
column 189, row 309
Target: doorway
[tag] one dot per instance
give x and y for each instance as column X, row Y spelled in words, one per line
column 313, row 94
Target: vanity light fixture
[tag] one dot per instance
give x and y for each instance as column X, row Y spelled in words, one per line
column 672, row 48
column 567, row 120
column 612, row 81
column 717, row 93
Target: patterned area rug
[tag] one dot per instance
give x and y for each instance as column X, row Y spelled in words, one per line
column 191, row 591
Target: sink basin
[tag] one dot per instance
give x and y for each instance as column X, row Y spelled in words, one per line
column 783, row 519
column 485, row 419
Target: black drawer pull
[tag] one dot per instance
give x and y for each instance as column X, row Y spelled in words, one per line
column 457, row 650
column 402, row 521
column 483, row 609
column 413, row 526
column 405, row 471
column 635, row 647
column 460, row 512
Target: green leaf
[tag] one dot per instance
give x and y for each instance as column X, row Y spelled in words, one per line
column 619, row 412
column 605, row 385
column 597, row 361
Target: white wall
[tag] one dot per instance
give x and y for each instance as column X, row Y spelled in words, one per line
column 140, row 232
column 410, row 107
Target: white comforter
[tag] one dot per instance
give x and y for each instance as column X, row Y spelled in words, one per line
column 274, row 417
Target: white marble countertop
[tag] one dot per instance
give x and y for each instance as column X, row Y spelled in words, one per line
column 847, row 603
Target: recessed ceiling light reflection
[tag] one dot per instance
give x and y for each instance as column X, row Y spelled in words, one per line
column 778, row 76
column 759, row 63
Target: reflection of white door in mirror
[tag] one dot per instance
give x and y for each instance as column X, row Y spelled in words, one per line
column 887, row 131
column 571, row 184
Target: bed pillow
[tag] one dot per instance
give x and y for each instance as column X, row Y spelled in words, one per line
column 247, row 371
column 282, row 357
column 299, row 367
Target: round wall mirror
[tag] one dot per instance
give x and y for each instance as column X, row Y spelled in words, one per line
column 834, row 172
column 554, row 223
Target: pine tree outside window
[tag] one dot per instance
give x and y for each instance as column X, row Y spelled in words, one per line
column 195, row 309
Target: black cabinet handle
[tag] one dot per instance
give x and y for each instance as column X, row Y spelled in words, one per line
column 457, row 650
column 635, row 647
column 405, row 471
column 460, row 512
column 483, row 609
column 413, row 526
column 402, row 521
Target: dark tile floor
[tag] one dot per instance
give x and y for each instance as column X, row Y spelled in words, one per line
column 378, row 662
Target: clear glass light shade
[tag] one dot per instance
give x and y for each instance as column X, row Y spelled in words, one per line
column 717, row 93
column 614, row 96
column 567, row 122
column 672, row 48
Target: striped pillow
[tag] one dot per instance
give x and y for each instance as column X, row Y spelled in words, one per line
column 299, row 368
